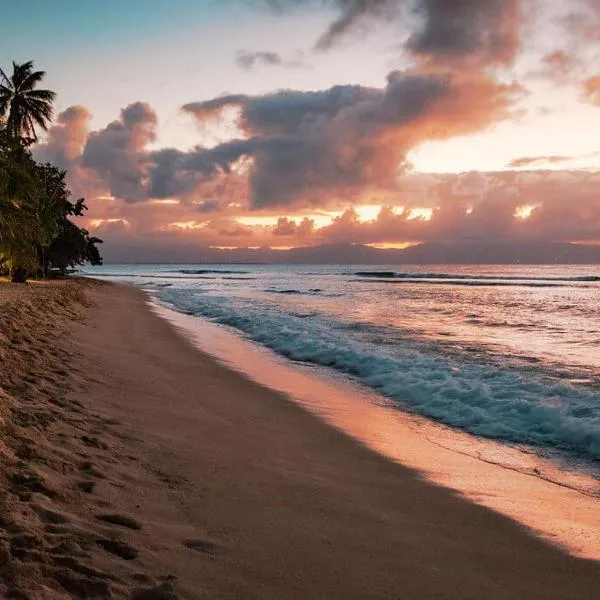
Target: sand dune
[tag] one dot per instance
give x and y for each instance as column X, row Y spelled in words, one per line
column 133, row 466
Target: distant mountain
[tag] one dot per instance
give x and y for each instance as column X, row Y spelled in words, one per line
column 425, row 254
column 501, row 253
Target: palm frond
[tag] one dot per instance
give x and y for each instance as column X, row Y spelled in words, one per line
column 5, row 77
column 43, row 95
column 31, row 79
column 40, row 119
column 26, row 106
column 20, row 72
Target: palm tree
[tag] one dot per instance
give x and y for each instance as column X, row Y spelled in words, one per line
column 23, row 106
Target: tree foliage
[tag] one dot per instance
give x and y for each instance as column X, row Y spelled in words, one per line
column 22, row 104
column 37, row 233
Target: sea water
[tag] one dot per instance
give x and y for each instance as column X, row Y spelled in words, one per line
column 510, row 353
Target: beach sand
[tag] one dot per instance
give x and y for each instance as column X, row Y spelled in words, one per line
column 133, row 466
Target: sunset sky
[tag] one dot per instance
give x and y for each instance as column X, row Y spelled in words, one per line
column 282, row 123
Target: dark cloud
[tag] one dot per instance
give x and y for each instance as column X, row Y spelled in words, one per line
column 118, row 152
column 308, row 145
column 486, row 29
column 298, row 148
column 308, row 148
column 352, row 13
column 447, row 29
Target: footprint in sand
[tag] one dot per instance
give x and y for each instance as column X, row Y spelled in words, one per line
column 49, row 516
column 93, row 442
column 201, row 546
column 120, row 520
column 164, row 591
column 118, row 548
column 86, row 486
column 89, row 468
column 25, row 484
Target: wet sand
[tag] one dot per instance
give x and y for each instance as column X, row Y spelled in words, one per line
column 135, row 466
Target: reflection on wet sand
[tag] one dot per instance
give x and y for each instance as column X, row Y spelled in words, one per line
column 561, row 506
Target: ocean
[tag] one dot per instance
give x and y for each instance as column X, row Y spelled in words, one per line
column 509, row 353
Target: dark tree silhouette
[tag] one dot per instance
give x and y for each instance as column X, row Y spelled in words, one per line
column 73, row 245
column 22, row 105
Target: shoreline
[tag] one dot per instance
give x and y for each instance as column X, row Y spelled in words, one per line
column 562, row 507
column 165, row 472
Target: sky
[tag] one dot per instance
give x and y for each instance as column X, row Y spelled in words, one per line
column 284, row 123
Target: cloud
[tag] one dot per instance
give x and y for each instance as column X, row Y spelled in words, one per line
column 249, row 60
column 118, row 152
column 63, row 146
column 311, row 148
column 559, row 65
column 485, row 30
column 591, row 90
column 293, row 148
column 289, row 228
column 352, row 13
column 560, row 206
column 528, row 161
column 66, row 138
column 338, row 142
column 574, row 28
column 293, row 157
column 452, row 29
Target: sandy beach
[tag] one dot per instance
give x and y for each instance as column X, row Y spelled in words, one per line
column 134, row 466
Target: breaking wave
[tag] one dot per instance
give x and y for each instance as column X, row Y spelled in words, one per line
column 414, row 276
column 473, row 283
column 209, row 272
column 292, row 292
column 491, row 400
column 193, row 276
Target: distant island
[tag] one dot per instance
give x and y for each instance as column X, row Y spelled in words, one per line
column 423, row 254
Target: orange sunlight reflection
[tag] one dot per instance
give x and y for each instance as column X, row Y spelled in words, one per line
column 500, row 477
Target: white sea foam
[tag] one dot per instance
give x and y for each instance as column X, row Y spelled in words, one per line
column 491, row 400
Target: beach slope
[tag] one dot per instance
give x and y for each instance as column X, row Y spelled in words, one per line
column 164, row 474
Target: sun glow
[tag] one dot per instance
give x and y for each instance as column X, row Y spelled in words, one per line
column 368, row 212
column 184, row 225
column 420, row 213
column 266, row 221
column 392, row 245
column 321, row 219
column 95, row 223
column 164, row 201
column 524, row 211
